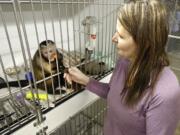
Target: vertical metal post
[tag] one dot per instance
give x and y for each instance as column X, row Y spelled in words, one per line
column 44, row 24
column 106, row 32
column 38, row 42
column 67, row 28
column 98, row 34
column 79, row 31
column 2, row 65
column 29, row 55
column 54, row 37
column 113, row 31
column 72, row 6
column 60, row 24
column 110, row 36
column 103, row 43
column 12, row 56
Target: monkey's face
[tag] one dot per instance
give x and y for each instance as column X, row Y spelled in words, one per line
column 49, row 53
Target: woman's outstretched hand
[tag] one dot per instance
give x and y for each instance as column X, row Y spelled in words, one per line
column 74, row 74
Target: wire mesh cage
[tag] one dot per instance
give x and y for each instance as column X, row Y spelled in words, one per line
column 72, row 33
column 88, row 121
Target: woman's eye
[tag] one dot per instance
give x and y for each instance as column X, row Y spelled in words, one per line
column 121, row 36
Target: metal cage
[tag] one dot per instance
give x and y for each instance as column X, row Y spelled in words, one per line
column 88, row 121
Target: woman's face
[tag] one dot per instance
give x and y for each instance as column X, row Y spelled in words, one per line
column 125, row 44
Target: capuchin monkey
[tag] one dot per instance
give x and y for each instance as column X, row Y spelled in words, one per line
column 46, row 62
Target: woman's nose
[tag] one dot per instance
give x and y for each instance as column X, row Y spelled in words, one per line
column 114, row 38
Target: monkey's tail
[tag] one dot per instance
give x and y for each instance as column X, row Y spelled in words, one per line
column 21, row 83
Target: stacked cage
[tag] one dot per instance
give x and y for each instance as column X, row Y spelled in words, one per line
column 88, row 121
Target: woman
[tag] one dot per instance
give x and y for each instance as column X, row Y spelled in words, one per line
column 143, row 94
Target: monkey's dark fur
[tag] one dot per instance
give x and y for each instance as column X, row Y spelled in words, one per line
column 48, row 67
column 93, row 67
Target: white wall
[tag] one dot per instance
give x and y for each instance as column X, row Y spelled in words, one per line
column 102, row 13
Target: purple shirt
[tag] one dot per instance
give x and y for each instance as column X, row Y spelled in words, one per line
column 153, row 115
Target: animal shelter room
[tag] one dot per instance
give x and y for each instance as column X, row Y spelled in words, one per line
column 63, row 62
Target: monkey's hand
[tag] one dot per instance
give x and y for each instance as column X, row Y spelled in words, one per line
column 53, row 57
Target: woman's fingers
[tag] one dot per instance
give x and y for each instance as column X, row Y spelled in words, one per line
column 74, row 74
column 73, row 70
column 68, row 78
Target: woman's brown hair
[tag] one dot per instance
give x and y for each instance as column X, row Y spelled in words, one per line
column 147, row 22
